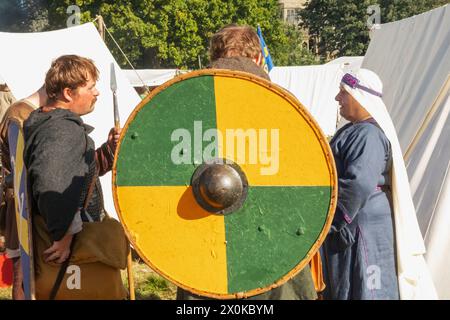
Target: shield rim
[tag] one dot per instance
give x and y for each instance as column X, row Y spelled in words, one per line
column 300, row 108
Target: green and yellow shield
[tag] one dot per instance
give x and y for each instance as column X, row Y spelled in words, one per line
column 225, row 184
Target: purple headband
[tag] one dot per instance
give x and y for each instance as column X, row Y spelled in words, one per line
column 353, row 83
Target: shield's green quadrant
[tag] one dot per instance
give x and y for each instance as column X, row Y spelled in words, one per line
column 145, row 153
column 272, row 233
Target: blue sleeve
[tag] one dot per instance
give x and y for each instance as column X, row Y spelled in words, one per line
column 364, row 159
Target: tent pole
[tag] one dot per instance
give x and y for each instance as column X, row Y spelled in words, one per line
column 437, row 102
column 125, row 56
column 101, row 26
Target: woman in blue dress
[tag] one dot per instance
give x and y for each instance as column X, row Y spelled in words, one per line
column 359, row 255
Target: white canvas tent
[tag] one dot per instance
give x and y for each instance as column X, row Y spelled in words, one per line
column 315, row 87
column 25, row 57
column 412, row 57
column 149, row 77
column 351, row 63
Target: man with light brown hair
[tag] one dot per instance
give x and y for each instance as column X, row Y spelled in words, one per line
column 235, row 41
column 237, row 48
column 65, row 196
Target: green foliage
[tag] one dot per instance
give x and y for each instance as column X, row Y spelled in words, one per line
column 163, row 33
column 10, row 15
column 22, row 16
column 173, row 33
column 340, row 26
column 393, row 10
column 293, row 50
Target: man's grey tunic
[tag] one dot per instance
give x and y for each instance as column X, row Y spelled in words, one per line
column 60, row 160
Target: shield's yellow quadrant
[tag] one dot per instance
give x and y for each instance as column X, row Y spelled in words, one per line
column 168, row 217
column 246, row 105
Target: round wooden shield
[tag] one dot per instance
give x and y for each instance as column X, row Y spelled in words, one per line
column 224, row 183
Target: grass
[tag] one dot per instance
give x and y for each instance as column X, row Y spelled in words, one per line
column 148, row 284
column 5, row 293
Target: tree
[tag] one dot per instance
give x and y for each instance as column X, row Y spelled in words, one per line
column 393, row 10
column 295, row 51
column 174, row 33
column 340, row 26
column 22, row 16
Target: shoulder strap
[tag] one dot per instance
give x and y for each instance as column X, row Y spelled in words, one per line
column 62, row 271
column 65, row 264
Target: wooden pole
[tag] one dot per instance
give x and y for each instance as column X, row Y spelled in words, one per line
column 199, row 62
column 101, row 30
column 130, row 277
column 101, row 27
